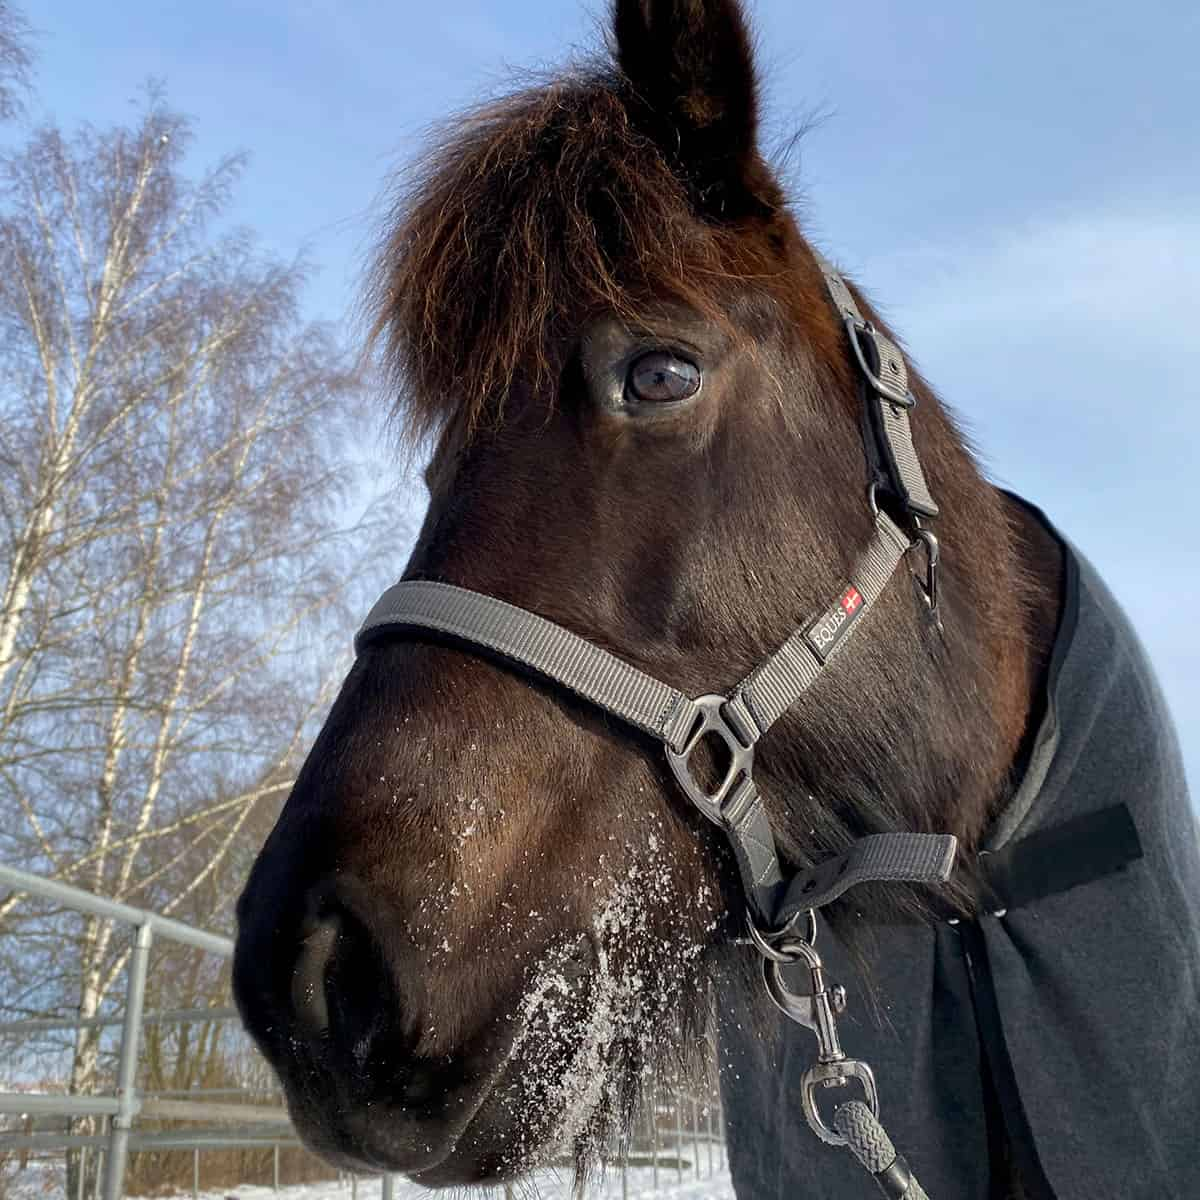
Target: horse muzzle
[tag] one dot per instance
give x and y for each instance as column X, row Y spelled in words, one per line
column 349, row 1033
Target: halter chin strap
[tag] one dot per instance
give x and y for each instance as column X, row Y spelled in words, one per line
column 741, row 717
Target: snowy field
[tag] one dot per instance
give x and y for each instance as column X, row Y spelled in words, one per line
column 541, row 1186
column 639, row 1184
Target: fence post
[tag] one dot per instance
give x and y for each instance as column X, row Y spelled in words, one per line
column 708, row 1111
column 118, row 1148
column 679, row 1137
column 387, row 1189
column 82, row 1170
column 654, row 1132
column 696, row 1134
column 275, row 1168
column 195, row 1172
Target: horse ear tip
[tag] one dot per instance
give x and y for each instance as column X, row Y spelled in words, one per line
column 686, row 71
column 659, row 45
column 686, row 19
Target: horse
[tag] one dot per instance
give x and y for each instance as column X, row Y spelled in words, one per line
column 491, row 910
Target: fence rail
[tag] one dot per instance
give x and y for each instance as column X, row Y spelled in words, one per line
column 123, row 1108
column 113, row 910
column 175, row 1016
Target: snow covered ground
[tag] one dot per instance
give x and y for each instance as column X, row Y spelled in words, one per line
column 544, row 1185
column 640, row 1183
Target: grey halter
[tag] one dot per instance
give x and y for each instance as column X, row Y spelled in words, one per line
column 741, row 717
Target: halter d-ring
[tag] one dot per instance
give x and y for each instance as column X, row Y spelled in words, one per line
column 772, row 944
column 921, row 536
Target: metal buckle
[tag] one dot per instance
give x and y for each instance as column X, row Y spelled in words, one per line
column 741, row 760
column 818, row 1011
column 933, row 556
column 854, row 329
column 933, row 552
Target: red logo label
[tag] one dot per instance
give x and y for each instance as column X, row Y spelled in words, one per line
column 851, row 601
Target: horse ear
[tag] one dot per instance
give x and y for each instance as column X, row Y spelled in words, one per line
column 690, row 68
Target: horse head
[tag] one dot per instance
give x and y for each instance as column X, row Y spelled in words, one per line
column 486, row 913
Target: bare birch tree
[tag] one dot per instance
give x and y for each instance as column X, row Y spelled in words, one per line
column 16, row 60
column 172, row 449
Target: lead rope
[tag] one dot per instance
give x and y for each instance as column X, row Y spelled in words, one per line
column 855, row 1123
column 870, row 1144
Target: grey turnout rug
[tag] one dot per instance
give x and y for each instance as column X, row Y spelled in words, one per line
column 1080, row 998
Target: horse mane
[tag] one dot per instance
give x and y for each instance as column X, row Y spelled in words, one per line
column 525, row 217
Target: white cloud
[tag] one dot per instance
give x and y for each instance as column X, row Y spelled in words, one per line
column 1136, row 274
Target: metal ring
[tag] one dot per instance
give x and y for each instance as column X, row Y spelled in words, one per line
column 765, row 942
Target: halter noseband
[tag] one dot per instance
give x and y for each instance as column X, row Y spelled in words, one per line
column 776, row 904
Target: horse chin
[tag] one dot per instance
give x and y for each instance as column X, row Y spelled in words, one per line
column 509, row 1138
column 587, row 1046
column 586, row 1042
column 561, row 1088
column 556, row 1080
column 511, row 1129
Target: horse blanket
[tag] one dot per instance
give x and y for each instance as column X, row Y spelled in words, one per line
column 1071, row 1019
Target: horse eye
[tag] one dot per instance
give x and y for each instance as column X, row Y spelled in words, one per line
column 660, row 378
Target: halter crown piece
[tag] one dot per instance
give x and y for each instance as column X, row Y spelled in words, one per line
column 777, row 904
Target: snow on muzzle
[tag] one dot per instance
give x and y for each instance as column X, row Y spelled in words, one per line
column 347, row 1028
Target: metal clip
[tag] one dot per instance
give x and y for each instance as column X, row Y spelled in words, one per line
column 858, row 330
column 835, row 1074
column 816, row 1010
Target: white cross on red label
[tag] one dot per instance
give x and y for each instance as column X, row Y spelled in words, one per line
column 851, row 601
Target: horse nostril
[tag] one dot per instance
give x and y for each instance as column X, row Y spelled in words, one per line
column 309, row 1000
column 343, row 995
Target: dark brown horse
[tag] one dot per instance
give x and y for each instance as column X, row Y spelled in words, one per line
column 486, row 910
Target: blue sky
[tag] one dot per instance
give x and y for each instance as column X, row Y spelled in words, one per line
column 1018, row 185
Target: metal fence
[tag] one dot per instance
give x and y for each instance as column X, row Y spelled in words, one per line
column 676, row 1139
column 126, row 1105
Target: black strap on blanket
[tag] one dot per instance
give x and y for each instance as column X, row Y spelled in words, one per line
column 1062, row 857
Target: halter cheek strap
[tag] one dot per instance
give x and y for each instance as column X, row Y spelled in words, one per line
column 887, row 401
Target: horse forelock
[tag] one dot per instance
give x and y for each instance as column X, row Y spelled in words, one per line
column 528, row 216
